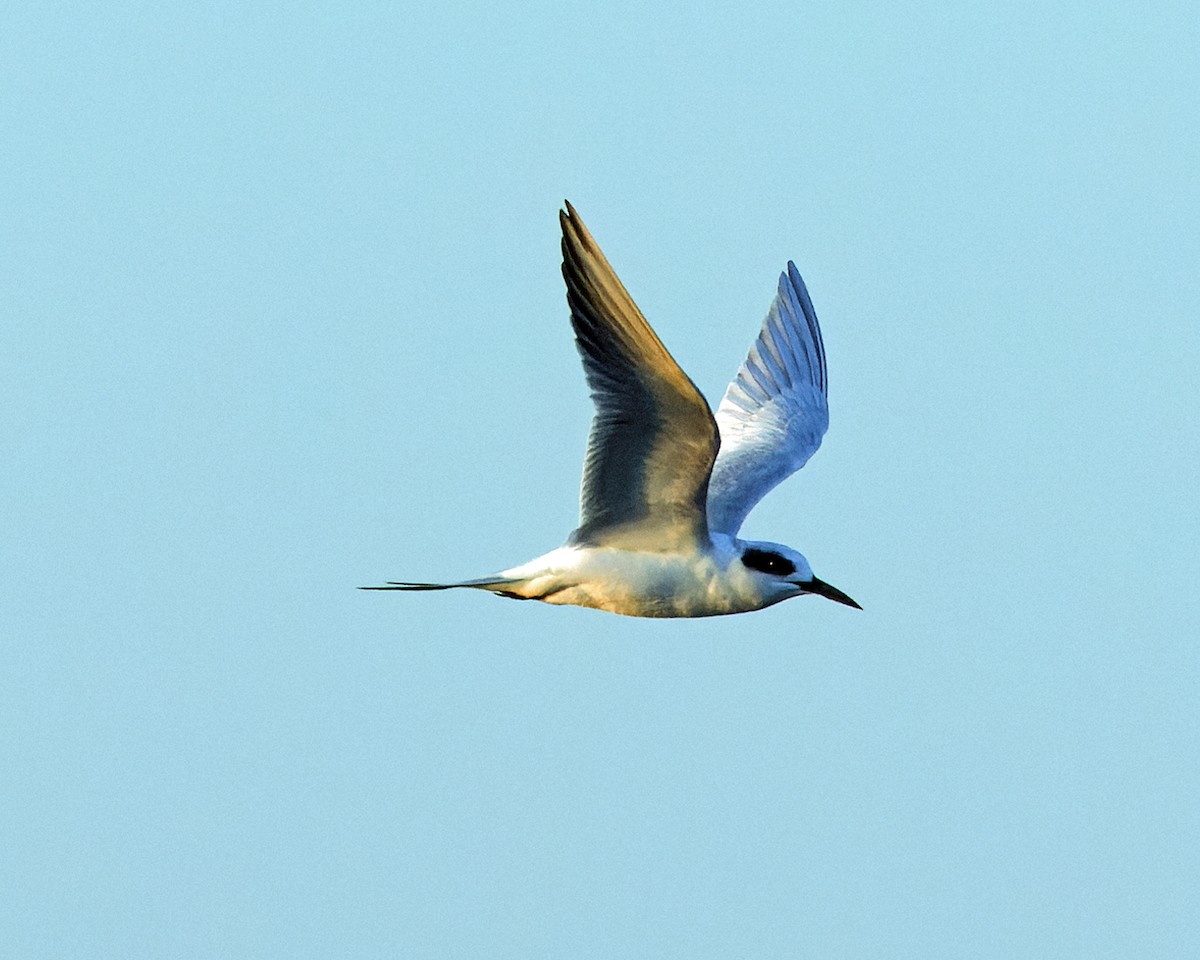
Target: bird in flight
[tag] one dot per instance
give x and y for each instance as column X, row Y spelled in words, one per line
column 666, row 485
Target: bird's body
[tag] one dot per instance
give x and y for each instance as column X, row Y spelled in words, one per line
column 642, row 583
column 666, row 484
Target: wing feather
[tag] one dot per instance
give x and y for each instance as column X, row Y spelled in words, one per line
column 775, row 411
column 653, row 438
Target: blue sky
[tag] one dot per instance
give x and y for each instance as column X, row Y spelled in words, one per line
column 282, row 315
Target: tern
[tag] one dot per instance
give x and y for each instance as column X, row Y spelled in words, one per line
column 666, row 485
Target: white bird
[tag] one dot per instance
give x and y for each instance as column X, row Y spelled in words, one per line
column 666, row 485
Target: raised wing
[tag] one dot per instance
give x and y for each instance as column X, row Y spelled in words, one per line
column 775, row 411
column 653, row 438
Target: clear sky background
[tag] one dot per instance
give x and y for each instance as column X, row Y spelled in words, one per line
column 281, row 314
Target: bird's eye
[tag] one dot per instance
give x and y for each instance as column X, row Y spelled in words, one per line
column 764, row 561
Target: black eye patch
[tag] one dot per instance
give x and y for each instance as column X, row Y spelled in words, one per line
column 764, row 561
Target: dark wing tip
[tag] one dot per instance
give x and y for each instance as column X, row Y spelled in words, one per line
column 793, row 279
column 574, row 231
column 797, row 281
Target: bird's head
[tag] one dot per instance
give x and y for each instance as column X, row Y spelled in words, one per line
column 782, row 572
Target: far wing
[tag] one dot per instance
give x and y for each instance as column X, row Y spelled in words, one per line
column 775, row 411
column 653, row 439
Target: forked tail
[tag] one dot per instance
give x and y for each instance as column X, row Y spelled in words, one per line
column 495, row 584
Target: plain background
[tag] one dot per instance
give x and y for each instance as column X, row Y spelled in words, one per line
column 281, row 314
